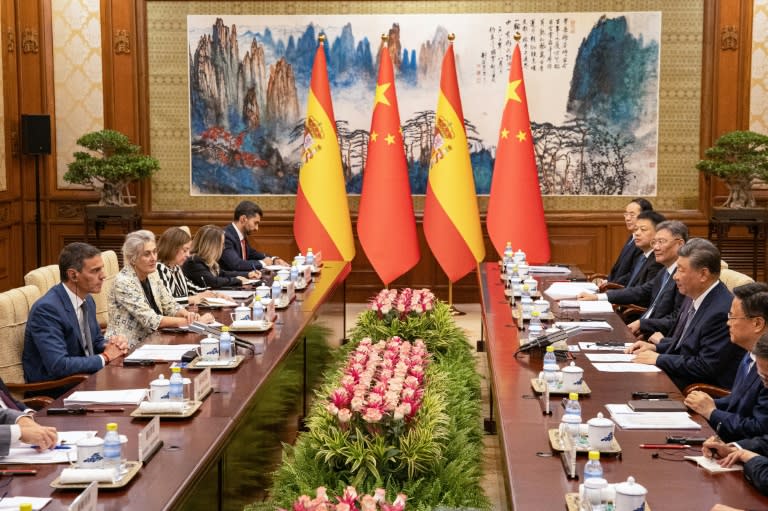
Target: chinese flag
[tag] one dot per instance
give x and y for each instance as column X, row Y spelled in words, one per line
column 451, row 217
column 515, row 209
column 321, row 221
column 386, row 226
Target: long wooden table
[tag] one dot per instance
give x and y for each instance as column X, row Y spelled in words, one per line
column 191, row 470
column 537, row 482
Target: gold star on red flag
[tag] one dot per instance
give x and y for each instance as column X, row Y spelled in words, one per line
column 381, row 90
column 374, row 136
column 504, row 133
column 390, row 139
column 521, row 136
column 512, row 91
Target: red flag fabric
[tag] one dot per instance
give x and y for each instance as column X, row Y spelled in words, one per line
column 515, row 208
column 451, row 216
column 386, row 225
column 321, row 221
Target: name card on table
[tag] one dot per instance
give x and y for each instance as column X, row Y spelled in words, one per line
column 86, row 501
column 203, row 384
column 149, row 440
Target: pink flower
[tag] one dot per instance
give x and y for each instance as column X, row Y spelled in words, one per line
column 344, row 415
column 372, row 414
column 356, row 404
column 332, row 408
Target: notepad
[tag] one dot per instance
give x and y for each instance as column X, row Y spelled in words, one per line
column 564, row 270
column 103, row 397
column 626, row 418
column 595, row 307
column 585, row 325
column 565, row 290
column 711, row 465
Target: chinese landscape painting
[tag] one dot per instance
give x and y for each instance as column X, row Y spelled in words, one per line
column 592, row 82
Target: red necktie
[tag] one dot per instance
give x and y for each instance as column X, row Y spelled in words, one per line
column 243, row 249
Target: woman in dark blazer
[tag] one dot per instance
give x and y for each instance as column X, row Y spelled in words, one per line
column 202, row 267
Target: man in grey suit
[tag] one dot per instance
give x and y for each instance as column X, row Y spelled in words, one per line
column 16, row 425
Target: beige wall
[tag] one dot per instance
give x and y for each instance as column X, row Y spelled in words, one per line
column 758, row 104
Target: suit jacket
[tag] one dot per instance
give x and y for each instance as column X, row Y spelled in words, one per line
column 622, row 268
column 200, row 274
column 647, row 272
column 7, row 419
column 756, row 469
column 130, row 314
column 705, row 354
column 744, row 412
column 232, row 257
column 665, row 308
column 53, row 343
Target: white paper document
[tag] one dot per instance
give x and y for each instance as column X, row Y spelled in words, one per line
column 215, row 301
column 236, row 294
column 604, row 346
column 23, row 453
column 584, row 325
column 565, row 290
column 103, row 397
column 569, row 304
column 13, row 503
column 625, row 367
column 563, row 270
column 610, row 357
column 161, row 352
column 625, row 417
column 711, row 465
column 595, row 307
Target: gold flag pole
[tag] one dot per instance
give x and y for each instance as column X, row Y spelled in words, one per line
column 453, row 309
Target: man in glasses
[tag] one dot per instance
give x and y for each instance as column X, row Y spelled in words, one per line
column 699, row 349
column 622, row 268
column 744, row 412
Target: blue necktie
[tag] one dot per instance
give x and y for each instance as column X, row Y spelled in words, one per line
column 688, row 319
column 664, row 281
column 639, row 263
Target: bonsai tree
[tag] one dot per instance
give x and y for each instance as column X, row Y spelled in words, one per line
column 112, row 164
column 738, row 157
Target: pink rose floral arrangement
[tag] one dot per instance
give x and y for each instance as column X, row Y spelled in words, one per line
column 381, row 385
column 350, row 501
column 393, row 303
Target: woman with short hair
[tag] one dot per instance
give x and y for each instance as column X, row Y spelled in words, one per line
column 138, row 302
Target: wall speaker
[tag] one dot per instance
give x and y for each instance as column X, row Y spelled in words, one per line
column 35, row 134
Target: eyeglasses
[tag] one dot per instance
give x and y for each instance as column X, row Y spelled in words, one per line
column 629, row 215
column 731, row 316
column 661, row 241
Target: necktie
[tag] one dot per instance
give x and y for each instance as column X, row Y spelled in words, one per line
column 639, row 262
column 688, row 319
column 664, row 281
column 7, row 402
column 87, row 341
column 243, row 249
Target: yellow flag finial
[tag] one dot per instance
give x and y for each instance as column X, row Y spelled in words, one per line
column 518, row 37
column 321, row 38
column 451, row 37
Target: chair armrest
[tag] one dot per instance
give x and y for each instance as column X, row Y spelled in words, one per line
column 632, row 310
column 37, row 402
column 712, row 390
column 70, row 380
column 605, row 286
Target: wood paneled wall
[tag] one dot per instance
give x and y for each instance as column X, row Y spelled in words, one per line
column 585, row 238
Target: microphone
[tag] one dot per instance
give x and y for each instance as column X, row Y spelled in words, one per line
column 547, row 339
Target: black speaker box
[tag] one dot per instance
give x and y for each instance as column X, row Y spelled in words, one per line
column 35, row 134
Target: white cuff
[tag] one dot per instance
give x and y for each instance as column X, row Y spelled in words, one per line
column 603, row 297
column 15, row 433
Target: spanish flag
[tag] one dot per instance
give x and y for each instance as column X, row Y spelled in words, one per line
column 515, row 208
column 386, row 225
column 451, row 217
column 321, row 220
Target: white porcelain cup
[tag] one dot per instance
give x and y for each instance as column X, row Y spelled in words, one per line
column 300, row 259
column 284, row 274
column 533, row 284
column 630, row 496
column 594, row 491
column 541, row 305
column 263, row 291
column 209, row 348
column 600, row 432
column 159, row 389
column 90, row 452
column 570, row 426
column 573, row 376
column 241, row 312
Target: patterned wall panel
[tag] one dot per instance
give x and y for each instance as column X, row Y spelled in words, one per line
column 679, row 104
column 77, row 76
column 3, row 176
column 758, row 97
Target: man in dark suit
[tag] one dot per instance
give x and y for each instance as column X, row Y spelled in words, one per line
column 238, row 255
column 622, row 268
column 17, row 424
column 744, row 412
column 658, row 294
column 699, row 349
column 62, row 335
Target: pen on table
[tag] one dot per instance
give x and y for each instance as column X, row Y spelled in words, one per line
column 665, row 446
column 18, row 472
column 104, row 410
column 57, row 447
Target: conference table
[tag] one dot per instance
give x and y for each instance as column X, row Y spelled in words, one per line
column 533, row 473
column 220, row 457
